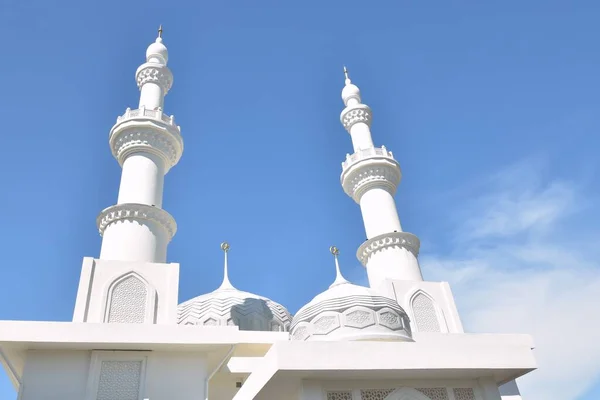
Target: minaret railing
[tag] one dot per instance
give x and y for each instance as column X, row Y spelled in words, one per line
column 148, row 113
column 360, row 155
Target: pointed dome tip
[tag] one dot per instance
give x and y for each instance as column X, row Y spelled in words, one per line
column 226, row 284
column 339, row 278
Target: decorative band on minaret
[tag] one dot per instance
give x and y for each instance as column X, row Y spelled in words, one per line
column 371, row 177
column 147, row 144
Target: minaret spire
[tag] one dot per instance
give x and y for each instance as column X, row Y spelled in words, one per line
column 147, row 144
column 371, row 176
column 160, row 31
column 339, row 278
column 226, row 284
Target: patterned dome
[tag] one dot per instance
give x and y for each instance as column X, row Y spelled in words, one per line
column 230, row 306
column 350, row 312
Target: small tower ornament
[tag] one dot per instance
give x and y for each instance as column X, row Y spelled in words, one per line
column 226, row 284
column 339, row 278
column 160, row 31
column 225, row 247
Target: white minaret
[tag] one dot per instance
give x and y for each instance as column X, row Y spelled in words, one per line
column 371, row 176
column 146, row 143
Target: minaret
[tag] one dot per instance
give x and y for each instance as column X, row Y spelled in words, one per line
column 371, row 176
column 147, row 143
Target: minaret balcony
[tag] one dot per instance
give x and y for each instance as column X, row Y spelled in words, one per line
column 147, row 131
column 374, row 167
column 144, row 114
column 360, row 155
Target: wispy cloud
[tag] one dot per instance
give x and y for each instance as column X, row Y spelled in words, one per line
column 520, row 266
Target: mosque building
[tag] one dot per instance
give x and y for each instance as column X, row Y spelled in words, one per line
column 400, row 338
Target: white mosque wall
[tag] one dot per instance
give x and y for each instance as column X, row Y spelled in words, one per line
column 127, row 292
column 97, row 375
column 429, row 305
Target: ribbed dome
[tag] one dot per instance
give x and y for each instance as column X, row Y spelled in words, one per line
column 230, row 306
column 350, row 312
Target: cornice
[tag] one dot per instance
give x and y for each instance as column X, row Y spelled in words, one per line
column 383, row 242
column 374, row 172
column 146, row 131
column 156, row 73
column 139, row 212
column 355, row 114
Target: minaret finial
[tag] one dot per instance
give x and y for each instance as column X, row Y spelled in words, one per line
column 226, row 284
column 160, row 31
column 339, row 278
column 347, row 75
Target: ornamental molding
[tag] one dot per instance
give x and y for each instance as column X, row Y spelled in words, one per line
column 385, row 241
column 138, row 212
column 135, row 134
column 355, row 114
column 375, row 172
column 155, row 73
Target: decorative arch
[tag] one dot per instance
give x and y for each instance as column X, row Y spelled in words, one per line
column 130, row 299
column 406, row 394
column 425, row 312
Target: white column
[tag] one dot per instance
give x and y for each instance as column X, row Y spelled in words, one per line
column 361, row 136
column 152, row 96
column 379, row 213
column 489, row 389
column 142, row 180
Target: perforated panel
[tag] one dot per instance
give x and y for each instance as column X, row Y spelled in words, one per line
column 464, row 394
column 425, row 315
column 375, row 394
column 344, row 395
column 119, row 380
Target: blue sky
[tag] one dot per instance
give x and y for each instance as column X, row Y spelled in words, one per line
column 491, row 109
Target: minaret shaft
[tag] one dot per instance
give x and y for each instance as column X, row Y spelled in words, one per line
column 361, row 136
column 371, row 176
column 379, row 213
column 152, row 96
column 147, row 143
column 142, row 180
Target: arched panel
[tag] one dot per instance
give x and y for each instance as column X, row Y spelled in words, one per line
column 128, row 300
column 406, row 394
column 425, row 314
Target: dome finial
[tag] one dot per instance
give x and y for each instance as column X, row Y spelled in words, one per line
column 339, row 278
column 160, row 31
column 225, row 284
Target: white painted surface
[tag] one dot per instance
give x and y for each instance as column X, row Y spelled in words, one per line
column 446, row 313
column 361, row 136
column 98, row 276
column 142, row 180
column 135, row 240
column 75, row 375
column 393, row 263
column 379, row 212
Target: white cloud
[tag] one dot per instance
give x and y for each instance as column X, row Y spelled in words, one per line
column 520, row 266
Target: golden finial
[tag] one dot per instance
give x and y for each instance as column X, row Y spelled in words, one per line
column 225, row 247
column 346, row 73
column 334, row 250
column 160, row 31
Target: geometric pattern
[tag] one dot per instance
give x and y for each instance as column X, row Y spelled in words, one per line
column 351, row 312
column 464, row 394
column 425, row 315
column 225, row 307
column 119, row 380
column 339, row 395
column 375, row 394
column 128, row 302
